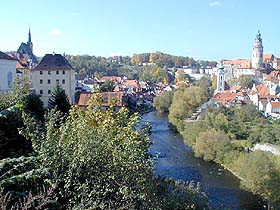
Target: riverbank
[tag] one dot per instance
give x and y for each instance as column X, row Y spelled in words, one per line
column 176, row 160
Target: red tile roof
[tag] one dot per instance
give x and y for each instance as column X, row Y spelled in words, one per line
column 262, row 89
column 111, row 78
column 133, row 83
column 107, row 97
column 224, row 97
column 275, row 104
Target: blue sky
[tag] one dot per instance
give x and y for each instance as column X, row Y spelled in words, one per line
column 203, row 29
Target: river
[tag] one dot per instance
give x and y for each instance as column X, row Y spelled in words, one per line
column 176, row 160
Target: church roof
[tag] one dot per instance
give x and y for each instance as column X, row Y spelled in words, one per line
column 6, row 57
column 53, row 62
column 25, row 49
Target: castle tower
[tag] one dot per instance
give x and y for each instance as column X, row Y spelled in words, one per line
column 220, row 79
column 29, row 42
column 257, row 55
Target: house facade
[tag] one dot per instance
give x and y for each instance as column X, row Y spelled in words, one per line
column 52, row 70
column 7, row 72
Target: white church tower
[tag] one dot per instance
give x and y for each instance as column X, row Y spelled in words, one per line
column 220, row 79
column 257, row 55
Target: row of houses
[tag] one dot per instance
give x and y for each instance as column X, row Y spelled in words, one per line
column 132, row 93
column 265, row 96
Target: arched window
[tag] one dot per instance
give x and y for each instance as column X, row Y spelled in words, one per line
column 10, row 79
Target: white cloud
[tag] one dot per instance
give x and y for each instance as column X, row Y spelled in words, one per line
column 188, row 50
column 215, row 4
column 55, row 32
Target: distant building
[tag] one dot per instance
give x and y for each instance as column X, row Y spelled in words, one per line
column 25, row 52
column 258, row 64
column 7, row 72
column 220, row 80
column 118, row 99
column 257, row 55
column 52, row 70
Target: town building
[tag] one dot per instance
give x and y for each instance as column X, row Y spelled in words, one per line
column 258, row 64
column 25, row 52
column 7, row 72
column 220, row 80
column 52, row 70
column 115, row 99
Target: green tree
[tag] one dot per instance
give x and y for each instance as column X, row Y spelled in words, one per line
column 180, row 76
column 260, row 175
column 103, row 164
column 163, row 102
column 108, row 86
column 211, row 145
column 59, row 100
column 247, row 81
column 32, row 104
column 15, row 96
column 185, row 102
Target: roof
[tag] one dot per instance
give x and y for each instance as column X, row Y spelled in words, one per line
column 133, row 83
column 237, row 88
column 80, row 76
column 268, row 56
column 244, row 63
column 25, row 49
column 4, row 56
column 53, row 62
column 262, row 89
column 224, row 97
column 272, row 79
column 84, row 99
column 275, row 104
column 110, row 78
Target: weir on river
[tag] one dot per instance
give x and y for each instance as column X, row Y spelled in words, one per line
column 177, row 160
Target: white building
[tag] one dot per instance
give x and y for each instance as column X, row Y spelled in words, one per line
column 257, row 54
column 220, row 80
column 52, row 70
column 7, row 72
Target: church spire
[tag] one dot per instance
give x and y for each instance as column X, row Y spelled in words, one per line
column 29, row 42
column 29, row 36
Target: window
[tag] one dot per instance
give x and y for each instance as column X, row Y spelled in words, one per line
column 41, row 81
column 41, row 72
column 57, row 81
column 49, row 81
column 57, row 72
column 10, row 79
column 63, row 72
column 63, row 81
column 41, row 92
column 49, row 91
column 49, row 72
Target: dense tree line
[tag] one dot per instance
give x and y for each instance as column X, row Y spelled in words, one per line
column 132, row 67
column 162, row 59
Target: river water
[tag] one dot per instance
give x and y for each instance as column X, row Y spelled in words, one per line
column 177, row 160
